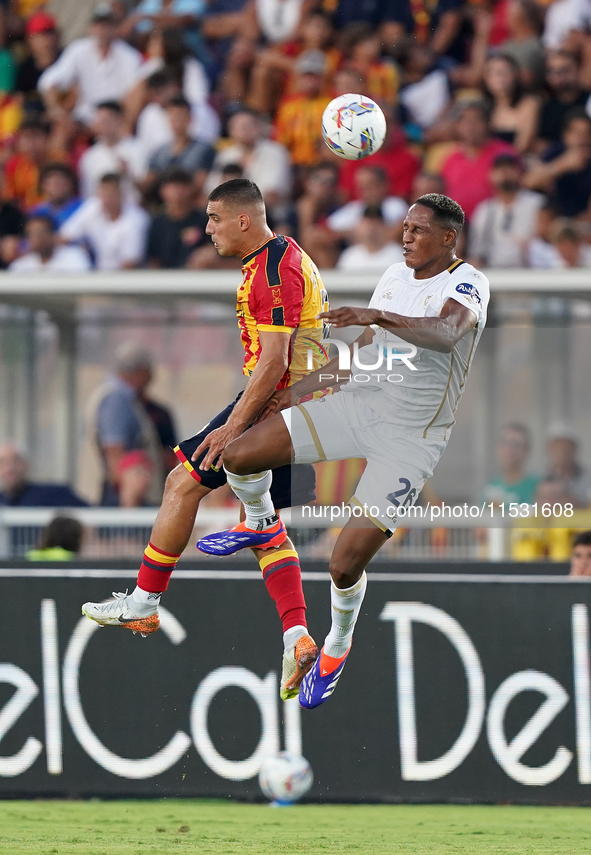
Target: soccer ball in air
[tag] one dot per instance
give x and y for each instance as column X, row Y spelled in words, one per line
column 353, row 126
column 285, row 778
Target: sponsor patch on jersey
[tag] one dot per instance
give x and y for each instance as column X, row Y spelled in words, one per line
column 469, row 291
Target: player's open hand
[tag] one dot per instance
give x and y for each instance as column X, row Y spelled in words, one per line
column 349, row 316
column 214, row 443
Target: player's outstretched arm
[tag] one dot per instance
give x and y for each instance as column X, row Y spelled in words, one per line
column 326, row 377
column 270, row 368
column 440, row 333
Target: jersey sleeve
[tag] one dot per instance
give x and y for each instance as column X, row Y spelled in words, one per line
column 470, row 288
column 277, row 293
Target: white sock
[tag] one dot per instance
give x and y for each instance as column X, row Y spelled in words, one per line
column 345, row 605
column 146, row 601
column 293, row 634
column 253, row 492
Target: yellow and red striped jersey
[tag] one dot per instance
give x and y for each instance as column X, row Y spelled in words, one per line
column 281, row 291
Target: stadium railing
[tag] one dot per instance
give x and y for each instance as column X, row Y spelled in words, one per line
column 112, row 533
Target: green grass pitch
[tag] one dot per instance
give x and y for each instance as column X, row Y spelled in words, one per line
column 172, row 826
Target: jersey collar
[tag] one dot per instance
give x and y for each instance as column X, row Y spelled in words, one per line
column 255, row 252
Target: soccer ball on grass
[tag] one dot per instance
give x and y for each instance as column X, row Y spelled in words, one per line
column 285, row 778
column 353, row 126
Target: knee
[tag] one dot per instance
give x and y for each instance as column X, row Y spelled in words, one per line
column 345, row 570
column 180, row 480
column 235, row 458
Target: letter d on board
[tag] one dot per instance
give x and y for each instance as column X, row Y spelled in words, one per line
column 403, row 615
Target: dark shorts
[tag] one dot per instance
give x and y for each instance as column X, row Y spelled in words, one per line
column 292, row 485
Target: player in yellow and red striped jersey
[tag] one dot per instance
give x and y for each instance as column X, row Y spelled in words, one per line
column 278, row 303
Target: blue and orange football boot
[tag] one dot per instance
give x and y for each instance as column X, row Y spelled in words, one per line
column 319, row 683
column 240, row 537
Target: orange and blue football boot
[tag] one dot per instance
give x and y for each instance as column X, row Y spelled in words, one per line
column 240, row 537
column 319, row 683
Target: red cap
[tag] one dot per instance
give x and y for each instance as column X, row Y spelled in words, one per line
column 40, row 22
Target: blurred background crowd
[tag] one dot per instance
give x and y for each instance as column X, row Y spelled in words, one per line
column 117, row 119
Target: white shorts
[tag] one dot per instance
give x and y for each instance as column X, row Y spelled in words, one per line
column 343, row 425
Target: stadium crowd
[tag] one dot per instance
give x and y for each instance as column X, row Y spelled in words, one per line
column 110, row 144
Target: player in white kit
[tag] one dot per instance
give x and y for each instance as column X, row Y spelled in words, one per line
column 395, row 407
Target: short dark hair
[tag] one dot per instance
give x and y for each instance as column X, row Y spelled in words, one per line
column 518, row 428
column 62, row 168
column 174, row 175
column 35, row 123
column 113, row 106
column 63, row 531
column 237, row 191
column 159, row 79
column 179, row 101
column 111, row 178
column 44, row 218
column 582, row 539
column 446, row 212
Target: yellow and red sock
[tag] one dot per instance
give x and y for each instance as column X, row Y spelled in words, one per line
column 283, row 578
column 156, row 569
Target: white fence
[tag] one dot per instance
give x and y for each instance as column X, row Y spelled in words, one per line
column 114, row 533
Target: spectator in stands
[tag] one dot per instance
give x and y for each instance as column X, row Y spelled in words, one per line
column 434, row 25
column 566, row 93
column 262, row 160
column 114, row 231
column 180, row 15
column 298, row 124
column 98, row 68
column 395, row 157
column 513, row 111
column 114, row 151
column 134, row 460
column 44, row 253
column 568, row 244
column 371, row 185
column 580, row 561
column 43, row 50
column 319, row 199
column 59, row 191
column 273, row 72
column 525, row 23
column 564, row 172
column 153, row 127
column 503, row 226
column 540, row 252
column 513, row 484
column 17, row 490
column 566, row 479
column 183, row 152
column 168, row 52
column 362, row 46
column 12, row 224
column 466, row 169
column 175, row 234
column 426, row 91
column 372, row 249
column 23, row 169
column 61, row 541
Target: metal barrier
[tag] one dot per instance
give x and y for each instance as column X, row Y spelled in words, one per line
column 124, row 532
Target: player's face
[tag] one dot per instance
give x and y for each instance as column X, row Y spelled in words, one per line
column 580, row 562
column 423, row 239
column 225, row 228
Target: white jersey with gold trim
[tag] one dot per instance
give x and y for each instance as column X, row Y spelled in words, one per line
column 421, row 392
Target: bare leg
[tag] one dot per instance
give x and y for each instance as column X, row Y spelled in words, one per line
column 176, row 518
column 264, row 446
column 356, row 545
